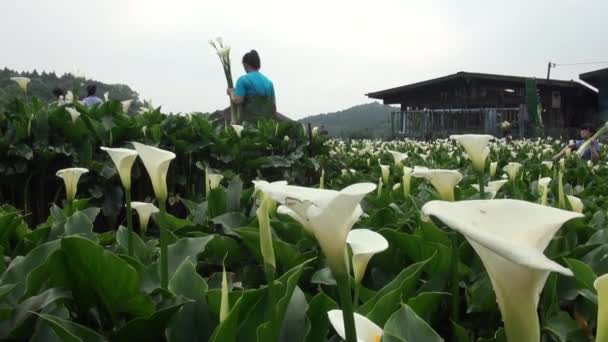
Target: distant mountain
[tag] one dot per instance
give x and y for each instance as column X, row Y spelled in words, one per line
column 371, row 120
column 43, row 83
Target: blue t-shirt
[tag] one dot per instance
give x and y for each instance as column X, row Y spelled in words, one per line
column 587, row 154
column 254, row 83
column 91, row 101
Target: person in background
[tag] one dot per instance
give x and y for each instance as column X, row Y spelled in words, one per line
column 59, row 96
column 91, row 98
column 253, row 92
column 592, row 153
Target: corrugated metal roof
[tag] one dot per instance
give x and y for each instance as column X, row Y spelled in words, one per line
column 594, row 77
column 473, row 75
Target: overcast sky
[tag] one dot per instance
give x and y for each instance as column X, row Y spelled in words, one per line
column 321, row 55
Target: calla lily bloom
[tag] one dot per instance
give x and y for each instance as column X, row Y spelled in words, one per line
column 224, row 300
column 106, row 96
column 69, row 96
column 156, row 162
column 144, row 211
column 493, row 166
column 123, row 159
column 238, row 129
column 407, row 177
column 70, row 177
column 443, row 181
column 512, row 169
column 543, row 188
column 398, row 157
column 576, row 204
column 214, row 180
column 74, row 113
column 601, row 285
column 329, row 214
column 492, row 187
column 364, row 243
column 22, row 82
column 125, row 105
column 367, row 331
column 509, row 236
column 476, row 147
column 548, row 165
column 386, row 171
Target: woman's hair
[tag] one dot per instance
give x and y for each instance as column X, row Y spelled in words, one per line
column 252, row 59
column 91, row 89
column 58, row 92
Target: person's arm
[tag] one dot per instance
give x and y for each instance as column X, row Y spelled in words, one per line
column 237, row 94
column 561, row 153
column 595, row 156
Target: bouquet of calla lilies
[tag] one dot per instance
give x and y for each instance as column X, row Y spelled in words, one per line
column 223, row 52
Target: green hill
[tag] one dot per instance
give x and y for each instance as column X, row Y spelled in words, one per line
column 371, row 120
column 43, row 83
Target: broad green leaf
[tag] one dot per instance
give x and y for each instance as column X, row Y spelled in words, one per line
column 295, row 325
column 426, row 304
column 584, row 279
column 317, row 316
column 405, row 326
column 146, row 328
column 98, row 277
column 69, row 331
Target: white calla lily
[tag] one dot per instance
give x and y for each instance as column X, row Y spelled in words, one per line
column 214, row 180
column 548, row 164
column 123, row 159
column 386, row 171
column 74, row 113
column 70, row 178
column 601, row 285
column 238, row 129
column 329, row 214
column 509, row 236
column 543, row 188
column 144, row 211
column 69, row 96
column 398, row 157
column 476, row 147
column 22, row 82
column 443, row 181
column 125, row 105
column 407, row 177
column 492, row 187
column 367, row 331
column 156, row 161
column 493, row 166
column 106, row 96
column 364, row 243
column 575, row 203
column 512, row 169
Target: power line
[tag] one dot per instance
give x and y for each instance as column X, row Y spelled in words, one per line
column 582, row 63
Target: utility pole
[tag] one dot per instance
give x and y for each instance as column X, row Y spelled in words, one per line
column 549, row 66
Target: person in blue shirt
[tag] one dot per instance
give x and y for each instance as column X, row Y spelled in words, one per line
column 253, row 92
column 91, row 98
column 592, row 153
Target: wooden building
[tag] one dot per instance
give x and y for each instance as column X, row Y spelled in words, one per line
column 467, row 102
column 599, row 79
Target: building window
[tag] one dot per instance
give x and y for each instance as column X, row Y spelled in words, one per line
column 556, row 100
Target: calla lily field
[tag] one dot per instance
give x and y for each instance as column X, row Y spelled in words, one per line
column 162, row 227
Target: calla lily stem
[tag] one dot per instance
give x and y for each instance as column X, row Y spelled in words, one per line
column 129, row 221
column 272, row 297
column 164, row 261
column 347, row 306
column 482, row 193
column 454, row 288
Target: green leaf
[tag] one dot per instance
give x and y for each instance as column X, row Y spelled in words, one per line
column 141, row 251
column 186, row 282
column 146, row 328
column 317, row 315
column 406, row 326
column 426, row 304
column 69, row 331
column 22, row 322
column 98, row 277
column 584, row 279
column 79, row 224
column 295, row 325
column 560, row 326
column 404, row 282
